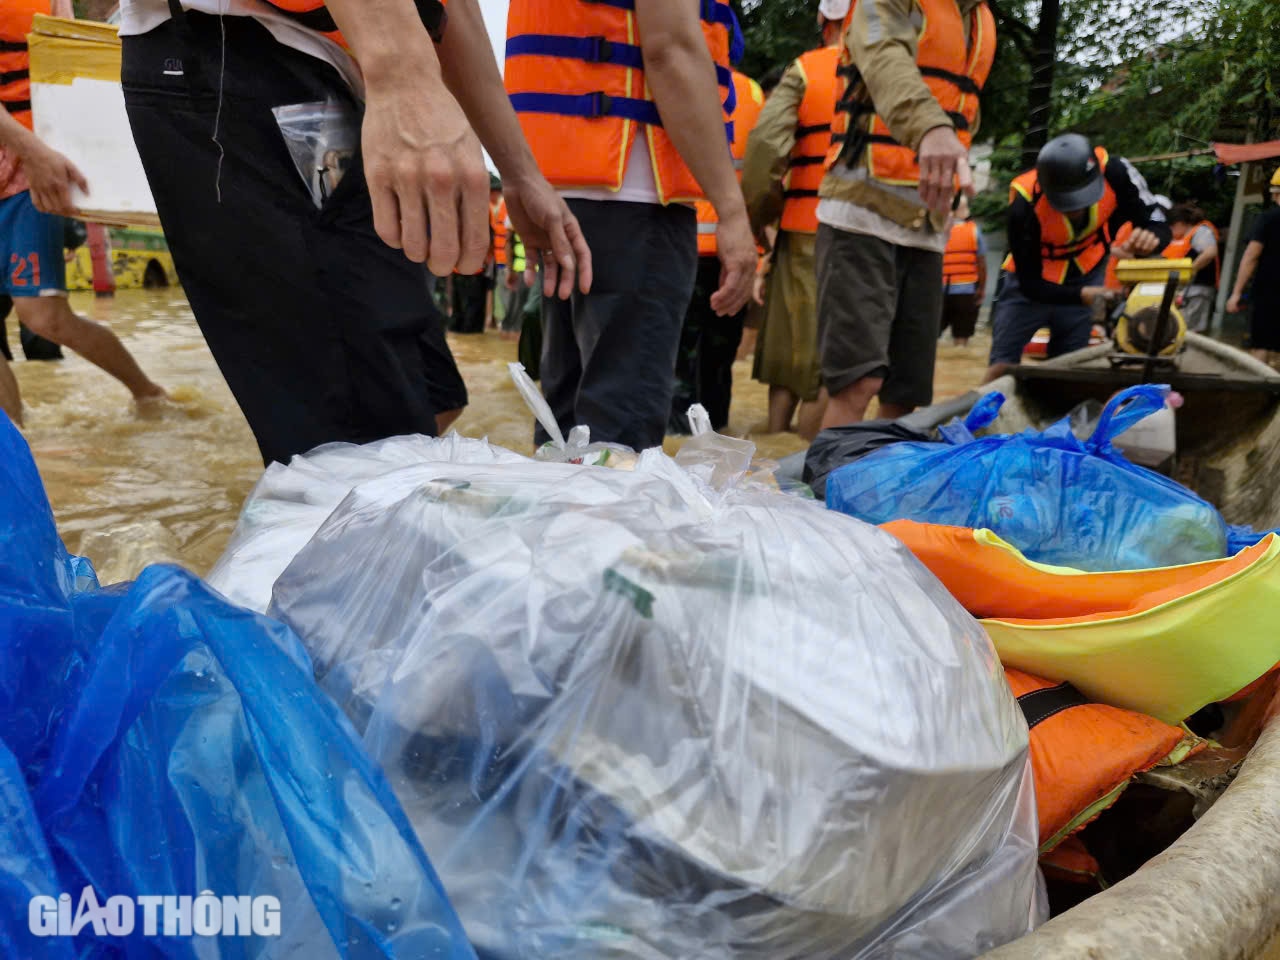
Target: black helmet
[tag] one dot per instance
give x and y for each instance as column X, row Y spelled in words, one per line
column 1069, row 173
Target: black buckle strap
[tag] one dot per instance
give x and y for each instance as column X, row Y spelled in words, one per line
column 1039, row 705
column 793, row 194
column 804, row 162
column 961, row 82
column 17, row 106
column 13, row 76
column 802, row 132
column 13, row 46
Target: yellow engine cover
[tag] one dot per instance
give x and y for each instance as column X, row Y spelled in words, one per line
column 1136, row 328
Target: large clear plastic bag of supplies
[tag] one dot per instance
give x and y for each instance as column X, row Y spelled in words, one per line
column 1058, row 499
column 634, row 716
column 157, row 742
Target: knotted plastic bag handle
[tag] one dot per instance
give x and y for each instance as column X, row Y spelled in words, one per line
column 1124, row 410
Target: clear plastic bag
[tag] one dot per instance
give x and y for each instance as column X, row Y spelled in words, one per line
column 659, row 714
column 322, row 138
column 1056, row 498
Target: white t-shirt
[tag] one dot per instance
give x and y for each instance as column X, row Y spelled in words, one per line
column 638, row 184
column 143, row 16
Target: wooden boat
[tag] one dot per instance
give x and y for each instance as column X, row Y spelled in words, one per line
column 1228, row 430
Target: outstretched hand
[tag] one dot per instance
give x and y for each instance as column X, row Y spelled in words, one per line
column 551, row 235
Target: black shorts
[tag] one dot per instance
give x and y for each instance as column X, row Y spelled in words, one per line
column 879, row 314
column 322, row 331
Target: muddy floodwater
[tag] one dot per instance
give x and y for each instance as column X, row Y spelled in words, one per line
column 127, row 490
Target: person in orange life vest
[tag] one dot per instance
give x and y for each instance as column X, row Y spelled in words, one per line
column 1062, row 218
column 36, row 184
column 624, row 105
column 912, row 73
column 781, row 174
column 497, row 254
column 709, row 343
column 1195, row 238
column 964, row 276
column 328, row 332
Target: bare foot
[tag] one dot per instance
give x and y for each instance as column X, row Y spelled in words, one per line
column 152, row 404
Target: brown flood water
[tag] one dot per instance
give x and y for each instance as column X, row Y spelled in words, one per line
column 127, row 491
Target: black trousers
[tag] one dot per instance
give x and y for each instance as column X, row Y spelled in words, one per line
column 607, row 357
column 322, row 331
column 708, row 348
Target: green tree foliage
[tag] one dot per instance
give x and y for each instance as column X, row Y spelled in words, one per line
column 776, row 31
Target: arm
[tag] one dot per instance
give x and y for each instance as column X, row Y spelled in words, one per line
column 1248, row 266
column 1137, row 205
column 882, row 42
column 1024, row 245
column 50, row 174
column 537, row 211
column 427, row 179
column 769, row 147
column 62, row 8
column 1209, row 254
column 682, row 79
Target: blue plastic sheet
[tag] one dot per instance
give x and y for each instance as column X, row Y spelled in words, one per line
column 155, row 740
column 1058, row 499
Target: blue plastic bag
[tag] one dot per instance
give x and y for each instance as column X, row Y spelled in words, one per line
column 156, row 741
column 1057, row 499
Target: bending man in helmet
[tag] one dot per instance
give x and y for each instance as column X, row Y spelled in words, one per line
column 1062, row 218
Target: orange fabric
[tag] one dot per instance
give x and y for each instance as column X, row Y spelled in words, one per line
column 948, row 43
column 304, row 8
column 960, row 260
column 589, row 152
column 15, row 62
column 1181, row 249
column 1082, row 754
column 1071, row 861
column 750, row 101
column 498, row 223
column 1122, row 235
column 992, row 583
column 814, row 118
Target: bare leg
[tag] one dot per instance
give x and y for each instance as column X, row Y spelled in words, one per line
column 782, row 406
column 53, row 319
column 996, row 371
column 10, row 398
column 811, row 413
column 444, row 420
column 850, row 404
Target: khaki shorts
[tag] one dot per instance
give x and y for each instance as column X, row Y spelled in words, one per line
column 879, row 314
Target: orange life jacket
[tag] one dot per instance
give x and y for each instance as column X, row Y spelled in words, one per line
column 750, row 102
column 498, row 223
column 575, row 74
column 15, row 61
column 954, row 57
column 960, row 261
column 315, row 16
column 1181, row 249
column 1084, row 754
column 1144, row 640
column 813, row 139
column 1060, row 244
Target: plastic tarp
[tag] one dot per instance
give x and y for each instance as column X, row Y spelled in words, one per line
column 155, row 741
column 837, row 446
column 1058, row 499
column 634, row 716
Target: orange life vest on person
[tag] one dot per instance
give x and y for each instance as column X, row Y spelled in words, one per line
column 960, row 261
column 954, row 57
column 1060, row 244
column 1181, row 249
column 813, row 139
column 1122, row 236
column 315, row 16
column 750, row 102
column 575, row 74
column 15, row 60
column 498, row 224
column 1083, row 754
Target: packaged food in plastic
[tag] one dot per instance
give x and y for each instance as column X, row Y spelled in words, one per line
column 158, row 742
column 658, row 714
column 1056, row 498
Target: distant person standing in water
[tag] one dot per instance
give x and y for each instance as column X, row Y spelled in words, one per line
column 964, row 276
column 1261, row 264
column 35, row 196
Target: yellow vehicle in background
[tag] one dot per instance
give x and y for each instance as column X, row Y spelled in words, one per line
column 139, row 258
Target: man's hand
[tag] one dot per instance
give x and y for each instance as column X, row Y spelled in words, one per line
column 510, row 279
column 1091, row 295
column 760, row 288
column 52, row 176
column 737, row 250
column 1143, row 242
column 944, row 168
column 426, row 175
column 550, row 233
column 1233, row 304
